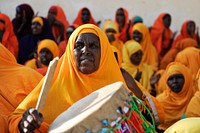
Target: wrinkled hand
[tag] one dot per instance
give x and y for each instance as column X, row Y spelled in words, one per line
column 138, row 75
column 154, row 78
column 31, row 120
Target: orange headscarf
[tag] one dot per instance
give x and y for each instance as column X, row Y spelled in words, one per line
column 69, row 84
column 150, row 55
column 123, row 33
column 190, row 57
column 9, row 39
column 60, row 17
column 193, row 109
column 157, row 34
column 16, row 82
column 175, row 104
column 130, row 48
column 117, row 42
column 171, row 54
column 78, row 21
column 183, row 34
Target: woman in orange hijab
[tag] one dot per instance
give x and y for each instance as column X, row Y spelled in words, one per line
column 58, row 22
column 140, row 33
column 84, row 17
column 47, row 50
column 87, row 65
column 171, row 54
column 178, row 93
column 7, row 35
column 121, row 18
column 193, row 109
column 16, row 82
column 161, row 34
column 187, row 31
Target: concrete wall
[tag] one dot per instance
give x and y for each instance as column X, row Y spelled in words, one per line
column 180, row 10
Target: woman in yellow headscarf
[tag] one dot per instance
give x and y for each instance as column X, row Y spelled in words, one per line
column 111, row 30
column 132, row 62
column 87, row 65
column 47, row 51
column 16, row 82
column 178, row 93
column 150, row 55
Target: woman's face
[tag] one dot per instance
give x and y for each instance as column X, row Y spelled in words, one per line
column 136, row 57
column 176, row 82
column 45, row 56
column 167, row 21
column 120, row 17
column 85, row 16
column 87, row 53
column 191, row 28
column 137, row 36
column 36, row 28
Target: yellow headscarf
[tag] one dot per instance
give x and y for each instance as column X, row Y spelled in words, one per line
column 117, row 42
column 175, row 104
column 150, row 54
column 130, row 48
column 69, row 84
column 38, row 19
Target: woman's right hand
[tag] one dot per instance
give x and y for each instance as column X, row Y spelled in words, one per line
column 31, row 120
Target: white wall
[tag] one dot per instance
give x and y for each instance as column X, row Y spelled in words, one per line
column 180, row 10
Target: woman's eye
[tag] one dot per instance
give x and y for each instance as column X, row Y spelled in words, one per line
column 79, row 45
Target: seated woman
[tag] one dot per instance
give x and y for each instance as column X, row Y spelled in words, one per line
column 140, row 33
column 84, row 17
column 187, row 31
column 121, row 18
column 47, row 50
column 178, row 93
column 171, row 54
column 7, row 35
column 111, row 30
column 133, row 63
column 88, row 64
column 58, row 22
column 16, row 82
column 161, row 34
column 28, row 44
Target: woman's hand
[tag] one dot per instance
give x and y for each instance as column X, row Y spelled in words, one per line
column 31, row 120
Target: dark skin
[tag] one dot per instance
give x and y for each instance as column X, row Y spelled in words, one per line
column 87, row 53
column 176, row 82
column 45, row 56
column 36, row 28
column 137, row 36
column 110, row 34
column 191, row 28
column 85, row 16
column 120, row 17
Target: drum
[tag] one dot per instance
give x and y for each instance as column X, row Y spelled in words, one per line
column 111, row 109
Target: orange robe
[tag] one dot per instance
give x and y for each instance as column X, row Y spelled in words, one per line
column 16, row 82
column 193, row 109
column 171, row 54
column 69, row 84
column 175, row 104
column 78, row 21
column 150, row 55
column 123, row 32
column 190, row 57
column 183, row 34
column 9, row 39
column 159, row 41
column 62, row 18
